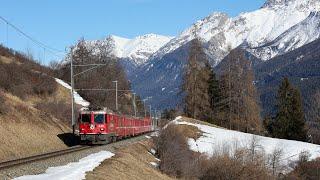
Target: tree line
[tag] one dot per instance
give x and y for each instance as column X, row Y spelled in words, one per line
column 100, row 78
column 230, row 99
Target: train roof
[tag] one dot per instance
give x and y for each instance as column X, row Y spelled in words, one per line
column 106, row 111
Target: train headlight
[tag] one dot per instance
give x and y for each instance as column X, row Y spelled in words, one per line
column 91, row 126
column 101, row 129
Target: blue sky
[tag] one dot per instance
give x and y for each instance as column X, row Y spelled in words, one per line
column 60, row 23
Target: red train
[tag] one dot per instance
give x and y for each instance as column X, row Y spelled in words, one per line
column 100, row 127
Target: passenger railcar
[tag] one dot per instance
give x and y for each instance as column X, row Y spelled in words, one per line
column 100, row 127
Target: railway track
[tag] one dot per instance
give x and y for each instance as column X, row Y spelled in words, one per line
column 11, row 163
column 16, row 162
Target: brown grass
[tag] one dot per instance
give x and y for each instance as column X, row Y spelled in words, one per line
column 179, row 161
column 26, row 131
column 306, row 170
column 195, row 121
column 190, row 131
column 26, row 86
column 132, row 162
column 5, row 60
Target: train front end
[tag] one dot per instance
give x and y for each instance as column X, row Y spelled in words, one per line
column 93, row 127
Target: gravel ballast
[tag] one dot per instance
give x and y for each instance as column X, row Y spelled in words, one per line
column 39, row 167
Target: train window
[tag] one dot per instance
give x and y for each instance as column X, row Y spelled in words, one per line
column 99, row 118
column 85, row 118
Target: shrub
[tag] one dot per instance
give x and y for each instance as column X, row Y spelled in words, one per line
column 23, row 76
column 58, row 109
column 226, row 163
column 3, row 106
column 314, row 135
column 21, row 90
column 237, row 163
column 306, row 170
column 44, row 86
column 21, row 81
column 173, row 150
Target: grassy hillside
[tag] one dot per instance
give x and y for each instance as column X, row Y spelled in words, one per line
column 34, row 109
column 132, row 162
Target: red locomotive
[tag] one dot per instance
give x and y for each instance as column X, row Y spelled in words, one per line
column 100, row 127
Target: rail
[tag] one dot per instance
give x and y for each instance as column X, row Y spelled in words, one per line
column 15, row 162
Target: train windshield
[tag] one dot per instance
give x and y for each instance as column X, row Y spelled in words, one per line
column 99, row 118
column 85, row 118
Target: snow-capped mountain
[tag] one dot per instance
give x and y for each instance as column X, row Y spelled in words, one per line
column 292, row 23
column 303, row 33
column 140, row 48
column 222, row 33
column 137, row 50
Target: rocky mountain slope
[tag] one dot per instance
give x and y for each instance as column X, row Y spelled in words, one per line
column 279, row 25
column 221, row 33
column 137, row 50
column 303, row 33
column 154, row 63
column 132, row 53
column 302, row 67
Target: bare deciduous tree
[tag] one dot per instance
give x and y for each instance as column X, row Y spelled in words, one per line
column 196, row 83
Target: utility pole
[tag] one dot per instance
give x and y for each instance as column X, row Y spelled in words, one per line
column 230, row 93
column 134, row 104
column 155, row 117
column 94, row 66
column 150, row 115
column 72, row 97
column 7, row 34
column 116, row 94
column 144, row 107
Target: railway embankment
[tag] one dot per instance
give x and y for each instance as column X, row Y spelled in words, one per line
column 135, row 161
column 39, row 167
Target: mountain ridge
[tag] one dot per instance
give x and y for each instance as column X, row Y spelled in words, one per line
column 278, row 27
column 220, row 34
column 136, row 50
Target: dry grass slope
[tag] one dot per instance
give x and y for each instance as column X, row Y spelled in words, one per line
column 34, row 109
column 195, row 121
column 26, row 130
column 132, row 162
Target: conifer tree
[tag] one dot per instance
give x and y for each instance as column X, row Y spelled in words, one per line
column 315, row 108
column 214, row 95
column 289, row 122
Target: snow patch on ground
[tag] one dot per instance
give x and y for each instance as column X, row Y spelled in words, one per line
column 77, row 98
column 74, row 171
column 155, row 134
column 148, row 137
column 214, row 138
column 153, row 151
column 154, row 164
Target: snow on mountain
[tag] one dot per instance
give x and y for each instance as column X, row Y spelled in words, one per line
column 141, row 48
column 303, row 33
column 277, row 21
column 271, row 3
column 138, row 50
column 222, row 33
column 206, row 28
